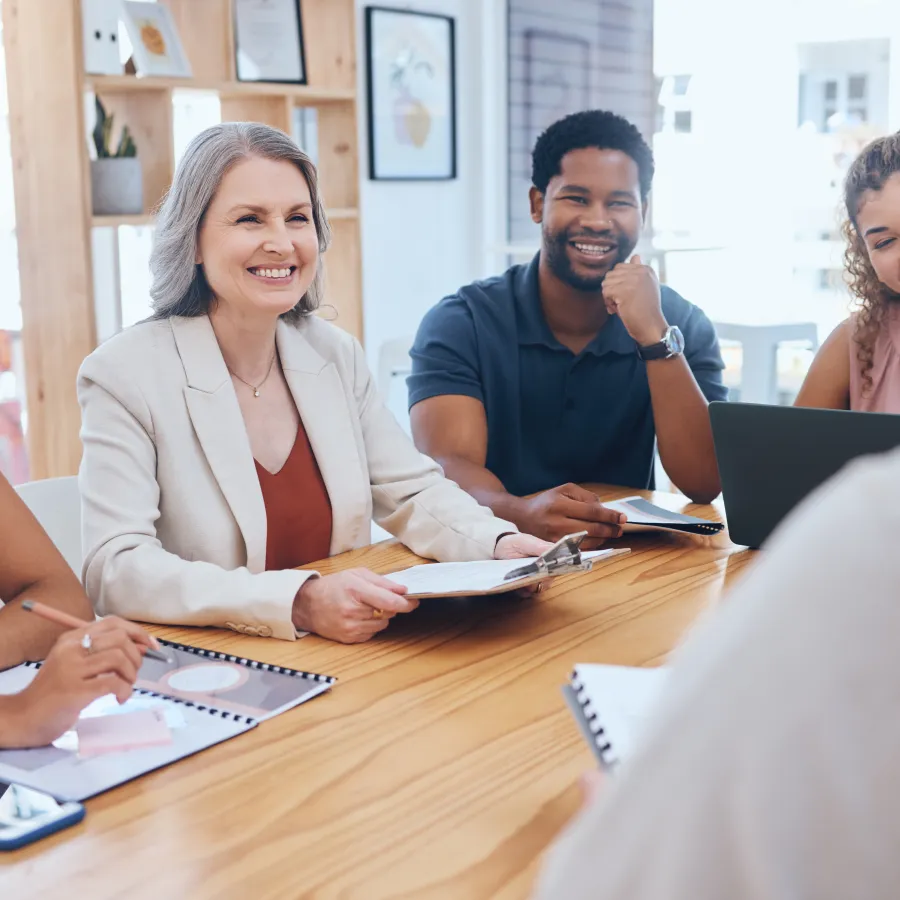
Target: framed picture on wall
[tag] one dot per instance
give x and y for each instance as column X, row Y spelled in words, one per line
column 268, row 38
column 411, row 73
column 155, row 44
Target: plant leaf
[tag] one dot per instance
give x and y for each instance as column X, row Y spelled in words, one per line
column 107, row 135
column 124, row 140
column 97, row 133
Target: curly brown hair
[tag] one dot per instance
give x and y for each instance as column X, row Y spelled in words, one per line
column 869, row 172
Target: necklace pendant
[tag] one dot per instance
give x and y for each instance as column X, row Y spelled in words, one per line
column 256, row 392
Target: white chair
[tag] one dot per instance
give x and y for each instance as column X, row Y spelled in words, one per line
column 56, row 504
column 759, row 346
column 393, row 360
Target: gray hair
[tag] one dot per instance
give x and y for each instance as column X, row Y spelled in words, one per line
column 179, row 287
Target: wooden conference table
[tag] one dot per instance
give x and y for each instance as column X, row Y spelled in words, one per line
column 442, row 763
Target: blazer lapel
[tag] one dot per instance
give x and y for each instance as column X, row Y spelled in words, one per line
column 216, row 417
column 322, row 403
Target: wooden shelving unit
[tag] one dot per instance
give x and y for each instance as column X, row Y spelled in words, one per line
column 145, row 219
column 48, row 88
column 299, row 94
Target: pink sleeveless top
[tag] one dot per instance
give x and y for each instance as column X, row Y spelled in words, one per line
column 884, row 395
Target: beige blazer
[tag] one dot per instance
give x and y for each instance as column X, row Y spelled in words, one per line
column 174, row 524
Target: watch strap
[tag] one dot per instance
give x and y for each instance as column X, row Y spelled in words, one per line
column 672, row 344
column 659, row 350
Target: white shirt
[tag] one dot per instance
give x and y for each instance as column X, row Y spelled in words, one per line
column 773, row 767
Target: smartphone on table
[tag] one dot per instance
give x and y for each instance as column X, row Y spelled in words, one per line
column 27, row 815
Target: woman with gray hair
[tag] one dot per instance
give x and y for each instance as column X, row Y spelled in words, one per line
column 235, row 435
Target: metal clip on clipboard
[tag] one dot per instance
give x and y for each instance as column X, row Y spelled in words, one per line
column 563, row 558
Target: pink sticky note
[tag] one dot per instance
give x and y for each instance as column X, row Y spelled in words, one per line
column 128, row 731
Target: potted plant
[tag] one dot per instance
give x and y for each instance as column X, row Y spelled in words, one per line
column 116, row 183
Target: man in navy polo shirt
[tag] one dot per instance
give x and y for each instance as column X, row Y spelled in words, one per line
column 571, row 368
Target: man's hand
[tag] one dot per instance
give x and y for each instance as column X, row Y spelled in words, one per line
column 631, row 290
column 563, row 510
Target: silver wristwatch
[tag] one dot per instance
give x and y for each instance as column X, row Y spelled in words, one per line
column 672, row 344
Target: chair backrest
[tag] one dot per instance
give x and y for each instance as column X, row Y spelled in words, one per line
column 393, row 359
column 56, row 504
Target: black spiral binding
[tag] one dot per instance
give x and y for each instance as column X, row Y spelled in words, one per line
column 709, row 529
column 595, row 726
column 693, row 527
column 222, row 657
column 251, row 663
column 221, row 713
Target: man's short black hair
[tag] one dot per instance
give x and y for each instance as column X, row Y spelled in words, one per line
column 592, row 128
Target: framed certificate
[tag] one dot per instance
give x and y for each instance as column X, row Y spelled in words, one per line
column 268, row 37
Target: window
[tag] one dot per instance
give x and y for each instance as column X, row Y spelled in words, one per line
column 673, row 110
column 683, row 120
column 680, row 85
column 834, row 83
column 857, row 86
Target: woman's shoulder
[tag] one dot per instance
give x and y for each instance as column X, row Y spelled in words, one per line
column 839, row 339
column 328, row 339
column 149, row 336
column 131, row 351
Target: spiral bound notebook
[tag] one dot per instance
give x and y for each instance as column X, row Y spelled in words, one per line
column 645, row 516
column 611, row 705
column 205, row 697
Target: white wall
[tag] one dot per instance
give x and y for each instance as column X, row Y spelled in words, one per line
column 422, row 240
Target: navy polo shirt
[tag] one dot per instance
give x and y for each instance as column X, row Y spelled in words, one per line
column 552, row 416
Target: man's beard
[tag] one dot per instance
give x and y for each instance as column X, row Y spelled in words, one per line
column 555, row 251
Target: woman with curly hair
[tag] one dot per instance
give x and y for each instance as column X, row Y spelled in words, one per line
column 858, row 366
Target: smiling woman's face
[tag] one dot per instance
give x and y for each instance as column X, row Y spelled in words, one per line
column 258, row 244
column 878, row 221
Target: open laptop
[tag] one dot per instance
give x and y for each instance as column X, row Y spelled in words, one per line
column 771, row 457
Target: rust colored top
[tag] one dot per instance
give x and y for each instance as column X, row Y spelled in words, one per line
column 298, row 509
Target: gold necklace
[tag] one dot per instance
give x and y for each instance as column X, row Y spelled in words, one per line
column 255, row 387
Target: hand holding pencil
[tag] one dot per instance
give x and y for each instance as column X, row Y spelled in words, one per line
column 87, row 662
column 144, row 640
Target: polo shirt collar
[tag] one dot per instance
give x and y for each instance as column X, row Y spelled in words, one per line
column 533, row 329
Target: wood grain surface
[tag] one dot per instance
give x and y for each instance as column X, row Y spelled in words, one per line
column 441, row 765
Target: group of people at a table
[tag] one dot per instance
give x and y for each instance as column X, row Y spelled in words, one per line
column 236, row 436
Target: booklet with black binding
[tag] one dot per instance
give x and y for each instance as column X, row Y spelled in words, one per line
column 198, row 699
column 611, row 705
column 645, row 516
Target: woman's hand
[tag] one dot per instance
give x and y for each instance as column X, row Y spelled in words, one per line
column 350, row 606
column 74, row 675
column 516, row 546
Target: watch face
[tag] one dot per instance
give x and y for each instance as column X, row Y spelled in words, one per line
column 674, row 340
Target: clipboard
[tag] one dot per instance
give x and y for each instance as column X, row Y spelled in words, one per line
column 499, row 576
